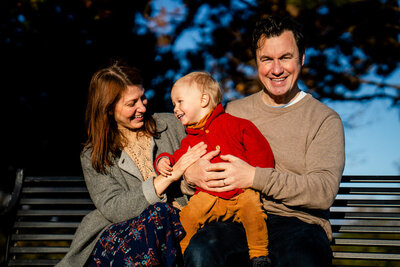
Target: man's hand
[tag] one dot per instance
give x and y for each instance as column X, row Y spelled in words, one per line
column 196, row 174
column 225, row 176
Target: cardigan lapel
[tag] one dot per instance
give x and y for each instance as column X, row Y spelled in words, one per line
column 126, row 163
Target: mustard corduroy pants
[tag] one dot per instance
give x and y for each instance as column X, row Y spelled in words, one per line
column 245, row 208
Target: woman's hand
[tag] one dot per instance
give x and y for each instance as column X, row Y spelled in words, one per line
column 161, row 182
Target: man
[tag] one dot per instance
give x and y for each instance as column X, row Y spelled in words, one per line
column 307, row 140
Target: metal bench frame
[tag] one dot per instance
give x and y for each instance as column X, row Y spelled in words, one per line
column 45, row 211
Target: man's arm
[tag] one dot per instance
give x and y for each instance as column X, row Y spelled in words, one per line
column 317, row 187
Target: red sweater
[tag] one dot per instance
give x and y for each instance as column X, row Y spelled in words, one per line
column 234, row 136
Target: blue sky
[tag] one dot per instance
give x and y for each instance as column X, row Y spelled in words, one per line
column 372, row 132
column 372, row 129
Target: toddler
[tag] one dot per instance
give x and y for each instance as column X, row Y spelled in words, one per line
column 196, row 98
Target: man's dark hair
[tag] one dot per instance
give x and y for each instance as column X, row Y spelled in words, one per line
column 274, row 26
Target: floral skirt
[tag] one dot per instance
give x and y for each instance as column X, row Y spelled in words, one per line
column 151, row 239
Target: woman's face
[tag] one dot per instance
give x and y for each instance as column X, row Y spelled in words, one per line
column 130, row 108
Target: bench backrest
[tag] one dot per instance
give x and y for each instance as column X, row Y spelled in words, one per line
column 47, row 214
column 365, row 219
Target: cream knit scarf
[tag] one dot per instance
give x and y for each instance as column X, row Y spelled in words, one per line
column 138, row 147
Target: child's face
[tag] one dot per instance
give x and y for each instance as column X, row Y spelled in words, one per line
column 187, row 103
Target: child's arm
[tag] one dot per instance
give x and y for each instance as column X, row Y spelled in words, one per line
column 163, row 155
column 258, row 150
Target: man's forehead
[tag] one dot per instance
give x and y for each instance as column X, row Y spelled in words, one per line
column 283, row 43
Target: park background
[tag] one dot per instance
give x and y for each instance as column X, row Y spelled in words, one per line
column 49, row 50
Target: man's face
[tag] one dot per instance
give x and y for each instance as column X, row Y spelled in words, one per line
column 279, row 66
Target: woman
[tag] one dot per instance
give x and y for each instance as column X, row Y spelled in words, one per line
column 132, row 224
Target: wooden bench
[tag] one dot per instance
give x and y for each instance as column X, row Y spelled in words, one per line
column 47, row 210
column 365, row 220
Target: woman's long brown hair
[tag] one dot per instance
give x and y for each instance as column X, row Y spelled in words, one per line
column 105, row 90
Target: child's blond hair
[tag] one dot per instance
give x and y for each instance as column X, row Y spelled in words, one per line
column 205, row 83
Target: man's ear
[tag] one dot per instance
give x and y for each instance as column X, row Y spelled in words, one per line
column 302, row 59
column 205, row 100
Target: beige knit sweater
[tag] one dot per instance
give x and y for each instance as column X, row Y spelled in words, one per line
column 307, row 140
column 138, row 147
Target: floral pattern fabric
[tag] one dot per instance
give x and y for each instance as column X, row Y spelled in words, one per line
column 151, row 239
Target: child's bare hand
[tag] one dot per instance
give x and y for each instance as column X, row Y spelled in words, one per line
column 164, row 166
column 187, row 159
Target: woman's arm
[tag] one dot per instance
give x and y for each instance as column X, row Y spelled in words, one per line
column 111, row 194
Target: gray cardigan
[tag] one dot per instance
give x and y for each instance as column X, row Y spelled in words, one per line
column 122, row 194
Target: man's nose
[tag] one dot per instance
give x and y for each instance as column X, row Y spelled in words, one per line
column 277, row 68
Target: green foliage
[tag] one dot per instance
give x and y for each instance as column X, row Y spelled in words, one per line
column 347, row 40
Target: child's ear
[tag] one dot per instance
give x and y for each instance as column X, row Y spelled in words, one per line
column 205, row 100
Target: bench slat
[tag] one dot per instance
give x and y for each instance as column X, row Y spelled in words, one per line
column 29, row 190
column 52, row 212
column 371, row 179
column 40, row 179
column 18, row 250
column 371, row 256
column 362, row 242
column 36, row 237
column 372, row 185
column 33, row 262
column 365, row 222
column 366, row 209
column 46, row 224
column 55, row 201
column 365, row 229
column 369, row 197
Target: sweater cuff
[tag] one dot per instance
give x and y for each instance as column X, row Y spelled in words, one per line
column 261, row 177
column 187, row 188
column 150, row 192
